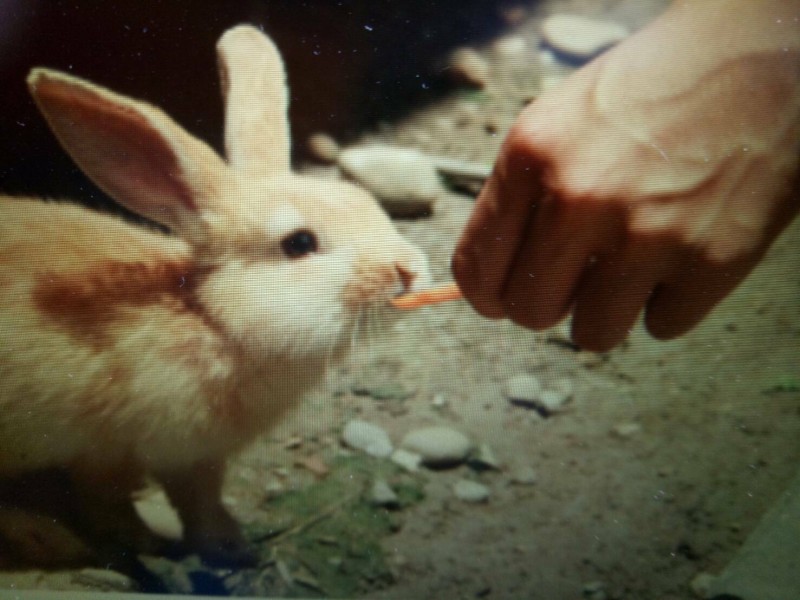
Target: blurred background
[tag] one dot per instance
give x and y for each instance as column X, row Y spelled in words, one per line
column 351, row 64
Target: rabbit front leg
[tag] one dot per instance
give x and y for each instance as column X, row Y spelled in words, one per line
column 208, row 528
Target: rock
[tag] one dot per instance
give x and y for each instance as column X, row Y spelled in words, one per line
column 470, row 67
column 470, row 491
column 382, row 494
column 105, row 580
column 523, row 390
column 405, row 181
column 323, row 147
column 579, row 37
column 484, row 459
column 524, row 476
column 594, row 590
column 701, row 584
column 438, row 446
column 410, row 461
column 625, row 430
column 368, row 438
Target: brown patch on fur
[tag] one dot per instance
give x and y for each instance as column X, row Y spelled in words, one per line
column 87, row 302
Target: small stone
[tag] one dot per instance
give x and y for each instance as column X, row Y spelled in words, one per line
column 626, row 430
column 523, row 390
column 405, row 181
column 524, row 476
column 595, row 590
column 439, row 401
column 382, row 494
column 469, row 66
column 579, row 37
column 368, row 438
column 105, row 580
column 701, row 585
column 323, row 147
column 471, row 491
column 552, row 401
column 409, row 461
column 484, row 459
column 438, row 446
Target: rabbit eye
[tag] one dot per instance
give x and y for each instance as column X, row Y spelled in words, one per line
column 299, row 243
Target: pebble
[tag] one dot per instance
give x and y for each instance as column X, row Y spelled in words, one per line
column 470, row 491
column 580, row 37
column 105, row 579
column 382, row 494
column 524, row 476
column 594, row 590
column 470, row 67
column 438, row 446
column 626, row 430
column 522, row 389
column 409, row 461
column 484, row 459
column 323, row 147
column 368, row 438
column 405, row 181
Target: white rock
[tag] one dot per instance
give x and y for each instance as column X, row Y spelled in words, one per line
column 525, row 476
column 626, row 430
column 469, row 66
column 580, row 37
column 470, row 491
column 405, row 181
column 523, row 389
column 552, row 401
column 368, row 438
column 382, row 494
column 410, row 461
column 323, row 147
column 438, row 446
column 484, row 459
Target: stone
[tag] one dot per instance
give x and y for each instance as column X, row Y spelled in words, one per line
column 404, row 181
column 484, row 459
column 625, row 430
column 381, row 494
column 471, row 491
column 580, row 37
column 469, row 66
column 524, row 476
column 409, row 461
column 523, row 390
column 323, row 147
column 368, row 438
column 438, row 446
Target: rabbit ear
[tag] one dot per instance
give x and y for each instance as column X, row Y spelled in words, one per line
column 131, row 150
column 254, row 88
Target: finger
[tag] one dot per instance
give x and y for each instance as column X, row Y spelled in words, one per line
column 614, row 291
column 558, row 246
column 678, row 306
column 493, row 233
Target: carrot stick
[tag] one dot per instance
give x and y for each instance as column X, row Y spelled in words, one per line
column 443, row 293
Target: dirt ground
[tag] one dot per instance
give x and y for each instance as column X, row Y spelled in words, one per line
column 665, row 458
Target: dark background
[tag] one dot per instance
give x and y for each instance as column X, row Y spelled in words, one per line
column 350, row 64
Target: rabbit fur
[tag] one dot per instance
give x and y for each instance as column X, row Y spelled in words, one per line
column 127, row 351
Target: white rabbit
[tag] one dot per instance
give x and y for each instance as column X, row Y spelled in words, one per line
column 125, row 351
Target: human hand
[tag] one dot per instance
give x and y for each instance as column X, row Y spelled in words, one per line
column 651, row 179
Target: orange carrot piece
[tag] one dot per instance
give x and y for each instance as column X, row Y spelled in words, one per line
column 443, row 293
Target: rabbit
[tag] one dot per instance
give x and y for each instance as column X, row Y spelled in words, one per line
column 128, row 351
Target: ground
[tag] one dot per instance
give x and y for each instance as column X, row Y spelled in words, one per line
column 665, row 458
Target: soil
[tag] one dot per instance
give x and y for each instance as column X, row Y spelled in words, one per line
column 662, row 462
